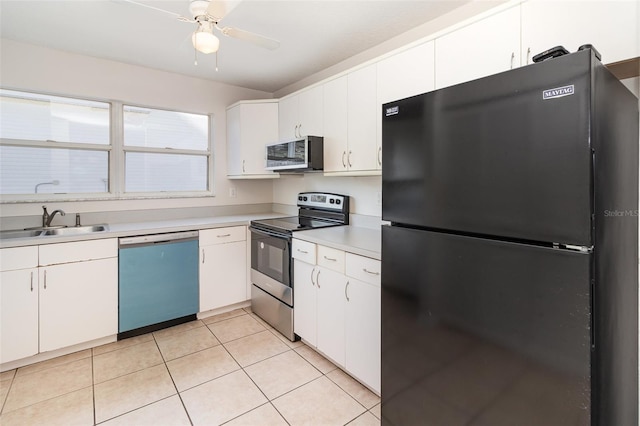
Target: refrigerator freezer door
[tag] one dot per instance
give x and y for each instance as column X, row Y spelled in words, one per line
column 480, row 329
column 508, row 155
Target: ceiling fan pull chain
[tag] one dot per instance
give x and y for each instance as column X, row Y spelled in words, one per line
column 216, row 61
column 195, row 56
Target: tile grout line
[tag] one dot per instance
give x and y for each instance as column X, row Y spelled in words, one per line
column 173, row 381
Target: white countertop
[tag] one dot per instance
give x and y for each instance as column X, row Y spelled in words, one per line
column 152, row 227
column 358, row 240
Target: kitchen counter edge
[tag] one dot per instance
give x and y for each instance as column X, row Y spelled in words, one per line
column 119, row 230
column 353, row 239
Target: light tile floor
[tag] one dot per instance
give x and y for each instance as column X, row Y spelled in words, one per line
column 231, row 368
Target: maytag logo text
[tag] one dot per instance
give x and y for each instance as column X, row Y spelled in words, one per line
column 392, row 110
column 558, row 92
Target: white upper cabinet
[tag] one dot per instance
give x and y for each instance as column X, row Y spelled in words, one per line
column 610, row 26
column 250, row 126
column 485, row 47
column 301, row 115
column 336, row 121
column 365, row 152
column 405, row 74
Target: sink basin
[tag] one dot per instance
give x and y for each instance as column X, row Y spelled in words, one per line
column 20, row 233
column 75, row 230
column 58, row 230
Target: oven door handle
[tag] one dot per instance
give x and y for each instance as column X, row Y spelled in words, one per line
column 269, row 233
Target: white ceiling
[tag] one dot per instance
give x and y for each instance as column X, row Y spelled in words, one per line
column 314, row 34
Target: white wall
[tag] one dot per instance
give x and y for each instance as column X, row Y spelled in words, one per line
column 363, row 191
column 40, row 69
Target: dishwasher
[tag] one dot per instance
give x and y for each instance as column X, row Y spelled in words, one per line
column 157, row 282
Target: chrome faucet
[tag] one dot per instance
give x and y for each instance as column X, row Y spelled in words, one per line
column 47, row 218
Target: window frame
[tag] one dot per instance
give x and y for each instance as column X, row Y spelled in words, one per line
column 116, row 151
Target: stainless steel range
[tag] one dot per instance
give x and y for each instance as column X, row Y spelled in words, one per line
column 271, row 265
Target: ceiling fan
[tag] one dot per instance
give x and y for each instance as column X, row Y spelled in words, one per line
column 207, row 15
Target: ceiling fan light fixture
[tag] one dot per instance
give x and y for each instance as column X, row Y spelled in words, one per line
column 204, row 41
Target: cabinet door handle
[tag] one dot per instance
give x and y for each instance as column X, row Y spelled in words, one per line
column 344, row 164
column 330, row 259
column 223, row 235
column 243, row 166
column 318, row 278
column 32, row 281
column 346, row 295
column 349, row 159
column 380, row 156
column 203, row 256
column 370, row 272
column 528, row 54
column 312, row 271
column 300, row 130
column 45, row 279
column 513, row 57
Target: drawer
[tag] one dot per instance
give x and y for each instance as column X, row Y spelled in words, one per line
column 331, row 258
column 80, row 251
column 229, row 234
column 18, row 258
column 304, row 251
column 363, row 268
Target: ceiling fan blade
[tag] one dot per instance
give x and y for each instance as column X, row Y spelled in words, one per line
column 257, row 39
column 218, row 9
column 176, row 15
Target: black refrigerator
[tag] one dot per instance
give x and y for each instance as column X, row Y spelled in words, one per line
column 510, row 264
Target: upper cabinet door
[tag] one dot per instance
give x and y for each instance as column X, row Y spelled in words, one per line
column 610, row 26
column 407, row 73
column 310, row 112
column 336, row 118
column 482, row 48
column 362, row 113
column 288, row 118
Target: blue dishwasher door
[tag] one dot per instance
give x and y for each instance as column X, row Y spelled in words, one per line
column 157, row 282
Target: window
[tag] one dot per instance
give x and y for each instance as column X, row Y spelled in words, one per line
column 82, row 149
column 165, row 151
column 51, row 144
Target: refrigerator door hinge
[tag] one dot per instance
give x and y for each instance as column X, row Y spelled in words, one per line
column 582, row 249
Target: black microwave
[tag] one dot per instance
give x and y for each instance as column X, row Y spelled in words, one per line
column 300, row 155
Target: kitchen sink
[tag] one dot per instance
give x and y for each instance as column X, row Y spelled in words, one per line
column 20, row 233
column 58, row 230
column 75, row 230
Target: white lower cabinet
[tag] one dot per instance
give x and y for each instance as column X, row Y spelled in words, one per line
column 78, row 302
column 57, row 295
column 18, row 314
column 305, row 301
column 223, row 267
column 363, row 320
column 331, row 286
column 337, row 307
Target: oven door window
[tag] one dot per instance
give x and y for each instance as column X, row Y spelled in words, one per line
column 271, row 256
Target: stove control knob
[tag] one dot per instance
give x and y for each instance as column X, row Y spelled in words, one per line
column 332, row 201
column 304, row 198
column 338, row 201
column 300, row 198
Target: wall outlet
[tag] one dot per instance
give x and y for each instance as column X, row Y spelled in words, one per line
column 232, row 192
column 379, row 198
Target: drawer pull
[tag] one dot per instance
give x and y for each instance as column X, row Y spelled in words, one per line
column 303, row 251
column 224, row 235
column 330, row 259
column 370, row 272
